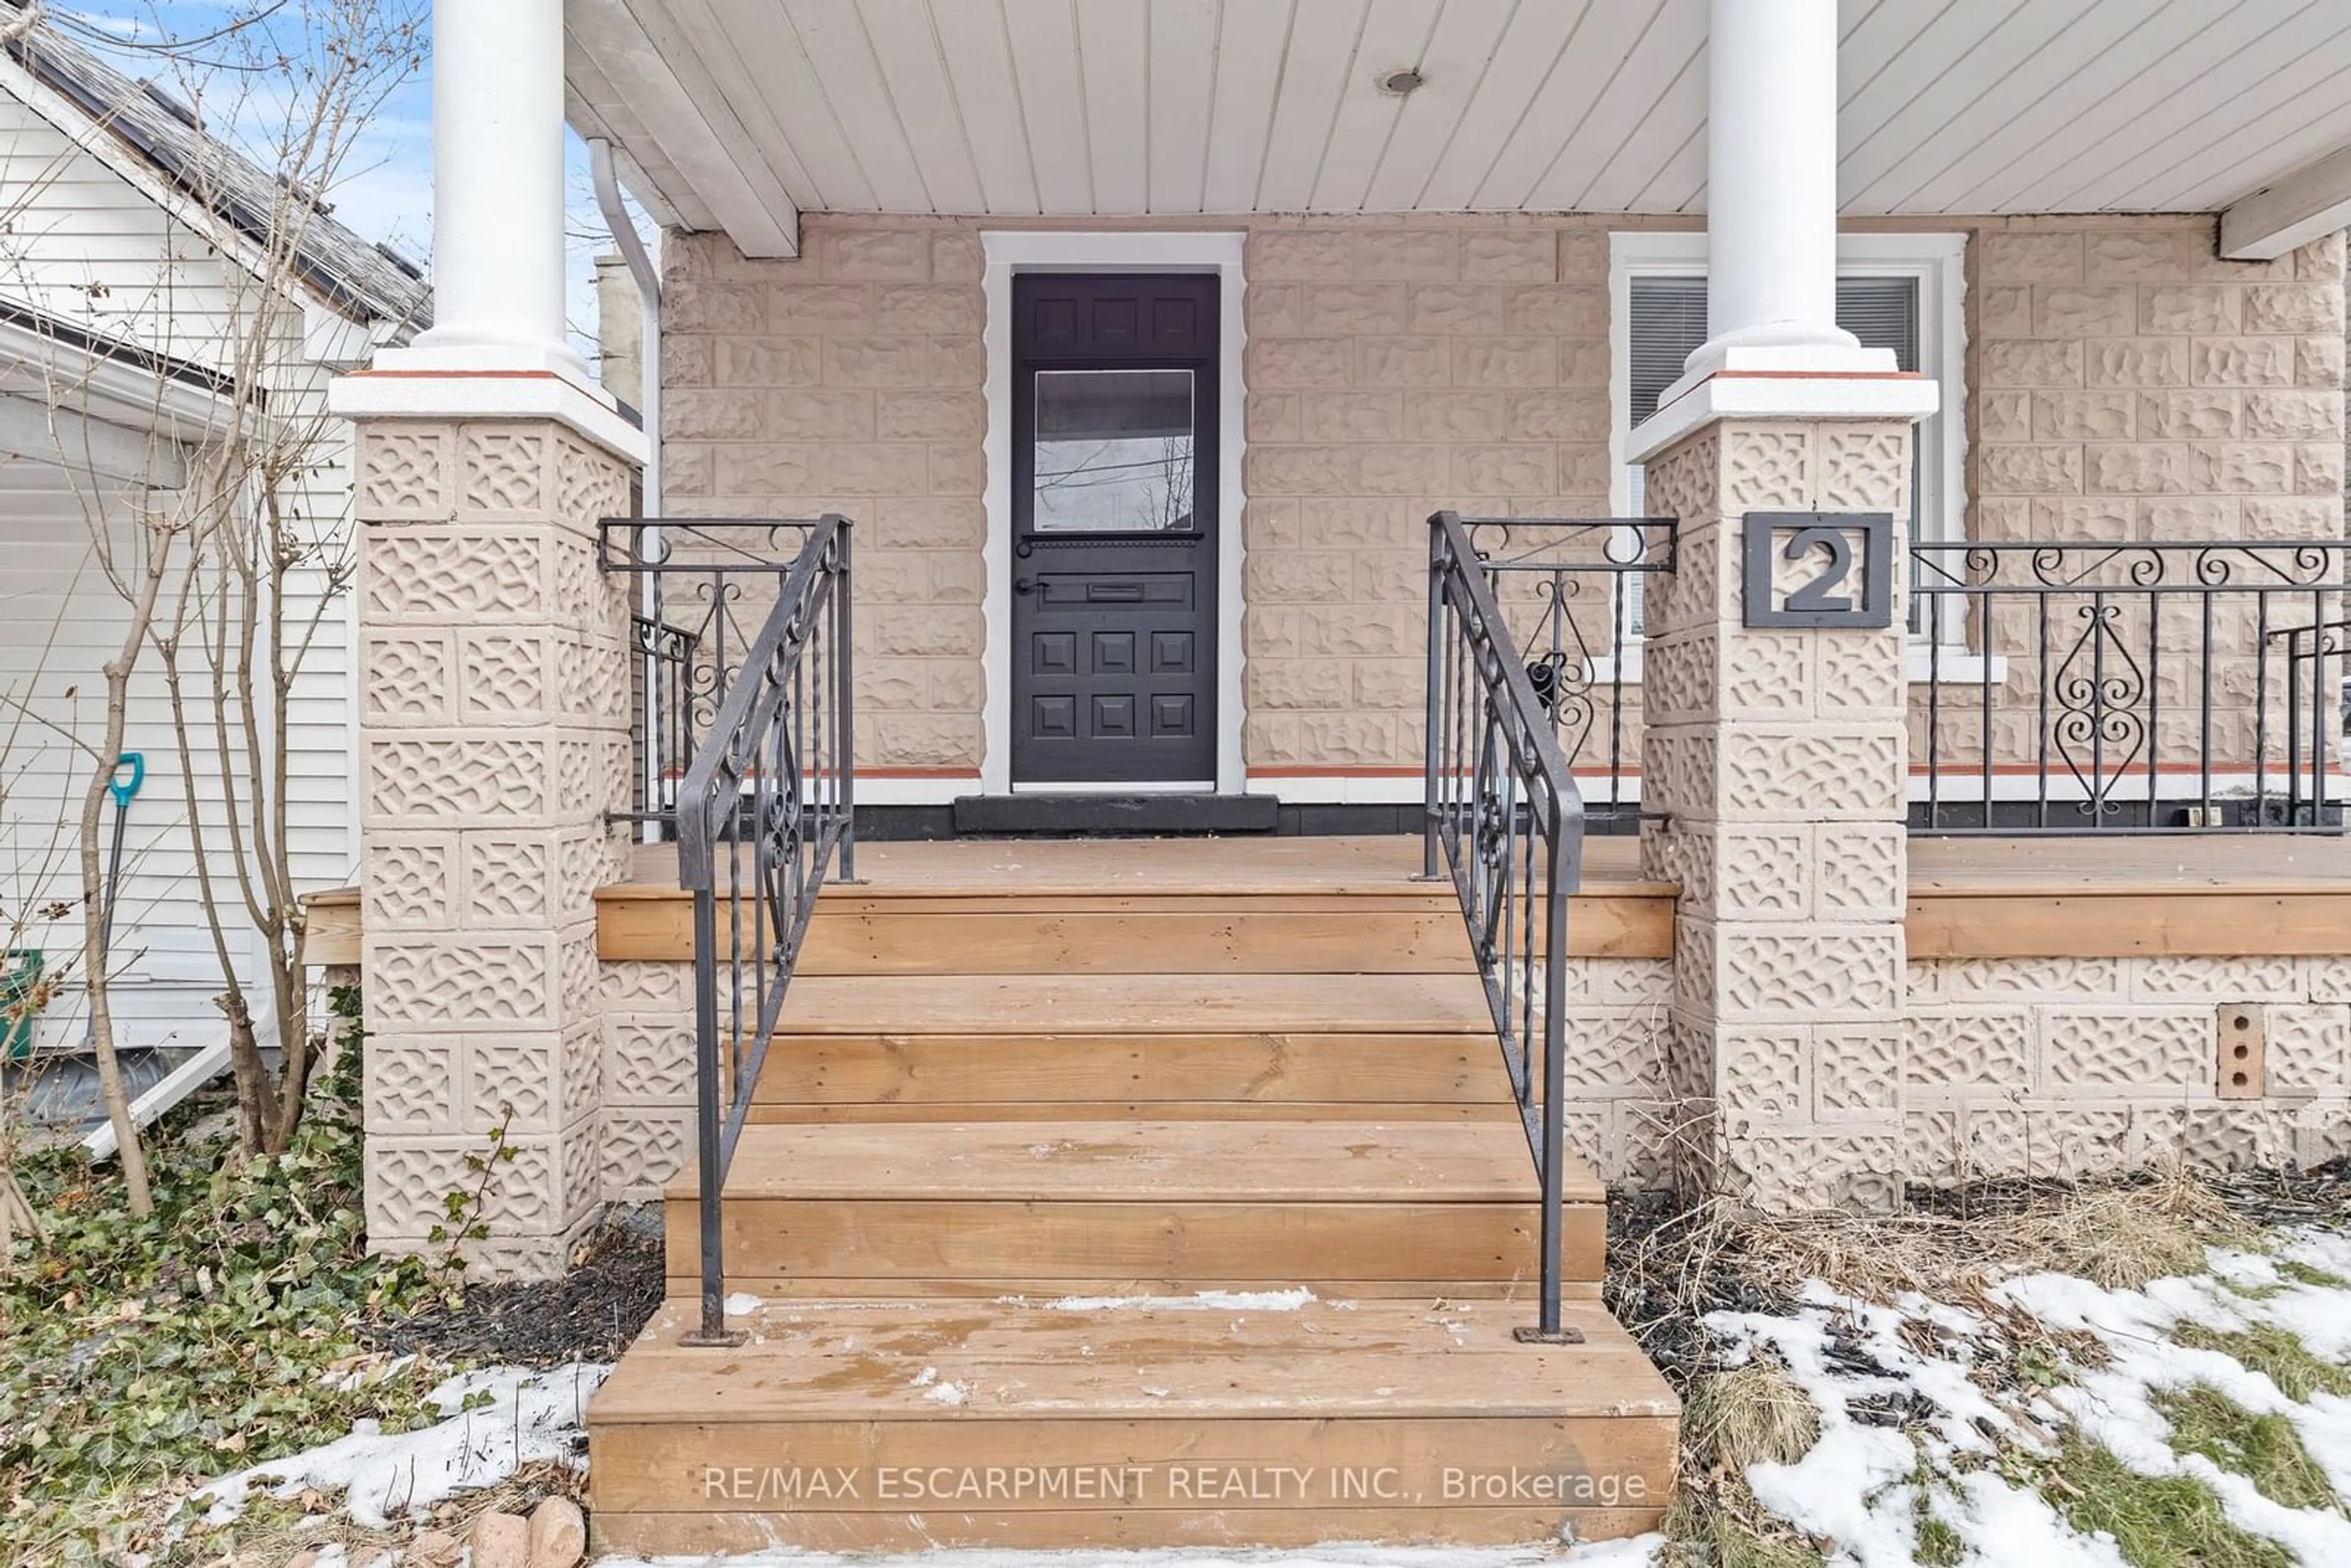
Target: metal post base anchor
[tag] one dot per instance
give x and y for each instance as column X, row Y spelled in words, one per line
column 1537, row 1336
column 725, row 1339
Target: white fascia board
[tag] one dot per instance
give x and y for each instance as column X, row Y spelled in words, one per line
column 39, row 432
column 108, row 389
column 333, row 340
column 2309, row 204
column 647, row 59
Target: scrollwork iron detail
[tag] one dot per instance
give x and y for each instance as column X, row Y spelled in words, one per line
column 2144, row 686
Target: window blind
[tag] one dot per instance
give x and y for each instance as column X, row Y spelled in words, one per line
column 1669, row 323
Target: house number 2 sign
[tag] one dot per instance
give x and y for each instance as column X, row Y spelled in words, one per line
column 1820, row 569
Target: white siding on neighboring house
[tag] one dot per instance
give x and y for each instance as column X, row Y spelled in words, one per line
column 79, row 241
column 83, row 243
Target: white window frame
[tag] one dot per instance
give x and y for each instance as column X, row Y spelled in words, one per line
column 1937, row 262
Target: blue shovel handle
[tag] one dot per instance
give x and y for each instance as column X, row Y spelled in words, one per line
column 122, row 788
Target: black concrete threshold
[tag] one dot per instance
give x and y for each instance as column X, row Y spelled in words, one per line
column 1117, row 814
column 1304, row 820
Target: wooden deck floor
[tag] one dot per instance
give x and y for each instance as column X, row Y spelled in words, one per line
column 2244, row 862
column 996, row 868
column 2218, row 895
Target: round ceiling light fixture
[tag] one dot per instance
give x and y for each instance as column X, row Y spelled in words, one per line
column 1400, row 84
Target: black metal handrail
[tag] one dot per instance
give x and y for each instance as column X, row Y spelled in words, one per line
column 705, row 582
column 774, row 782
column 1570, row 589
column 2162, row 687
column 1504, row 815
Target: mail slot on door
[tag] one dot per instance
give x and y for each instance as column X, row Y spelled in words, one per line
column 1071, row 589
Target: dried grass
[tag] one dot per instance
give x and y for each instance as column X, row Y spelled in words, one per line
column 1748, row 1414
column 2117, row 1235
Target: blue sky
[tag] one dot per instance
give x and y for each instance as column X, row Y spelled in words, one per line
column 384, row 190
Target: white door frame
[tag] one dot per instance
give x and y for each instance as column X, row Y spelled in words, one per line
column 1011, row 250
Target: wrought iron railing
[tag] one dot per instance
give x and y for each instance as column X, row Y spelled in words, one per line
column 2148, row 687
column 706, row 585
column 767, row 801
column 663, row 659
column 1570, row 590
column 1506, row 823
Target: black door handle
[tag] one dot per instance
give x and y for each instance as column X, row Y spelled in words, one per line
column 1024, row 585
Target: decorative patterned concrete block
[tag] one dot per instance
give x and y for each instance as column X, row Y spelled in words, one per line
column 483, row 834
column 1785, row 1023
column 1987, row 1047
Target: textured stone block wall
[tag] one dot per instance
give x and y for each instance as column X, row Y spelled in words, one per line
column 494, row 727
column 849, row 381
column 2126, row 383
column 2067, row 1066
column 1395, row 367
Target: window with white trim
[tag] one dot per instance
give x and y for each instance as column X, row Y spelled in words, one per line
column 1902, row 292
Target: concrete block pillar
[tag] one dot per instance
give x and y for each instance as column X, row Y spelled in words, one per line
column 1779, row 758
column 494, row 727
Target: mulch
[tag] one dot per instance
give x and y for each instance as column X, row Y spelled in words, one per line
column 2319, row 1196
column 1660, row 1282
column 593, row 1313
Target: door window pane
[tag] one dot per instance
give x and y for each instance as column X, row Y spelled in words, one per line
column 1113, row 452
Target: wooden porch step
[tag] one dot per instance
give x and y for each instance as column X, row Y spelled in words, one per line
column 1114, row 1007
column 900, row 1425
column 985, row 1209
column 1133, row 906
column 1153, row 1047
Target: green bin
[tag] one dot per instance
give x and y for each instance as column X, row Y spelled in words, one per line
column 22, row 997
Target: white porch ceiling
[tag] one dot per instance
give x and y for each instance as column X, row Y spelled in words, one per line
column 739, row 114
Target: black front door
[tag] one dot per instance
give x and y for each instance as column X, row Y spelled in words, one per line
column 1115, row 528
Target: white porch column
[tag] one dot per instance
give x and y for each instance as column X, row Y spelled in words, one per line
column 1771, row 218
column 1777, row 749
column 497, row 186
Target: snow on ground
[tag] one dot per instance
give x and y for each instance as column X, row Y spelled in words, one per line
column 494, row 1422
column 1857, row 1484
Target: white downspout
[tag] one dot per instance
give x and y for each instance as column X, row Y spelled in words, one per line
column 649, row 407
column 648, row 276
